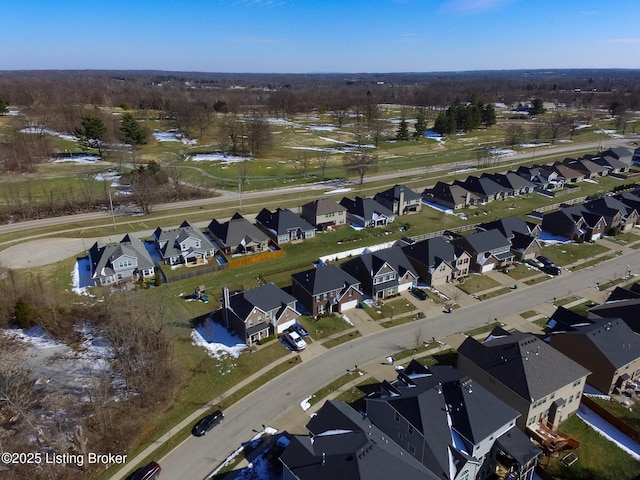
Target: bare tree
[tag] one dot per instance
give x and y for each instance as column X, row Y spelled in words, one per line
column 323, row 161
column 303, row 162
column 243, row 172
column 361, row 163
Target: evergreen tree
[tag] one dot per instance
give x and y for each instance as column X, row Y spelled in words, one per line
column 132, row 131
column 92, row 134
column 489, row 115
column 403, row 130
column 421, row 124
column 3, row 106
column 538, row 107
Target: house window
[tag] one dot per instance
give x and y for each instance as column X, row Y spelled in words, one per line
column 465, row 475
column 251, row 322
column 259, row 318
column 350, row 293
column 571, row 399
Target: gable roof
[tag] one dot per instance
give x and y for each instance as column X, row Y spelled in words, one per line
column 482, row 185
column 103, row 255
column 567, row 172
column 369, row 263
column 510, row 180
column 169, row 238
column 323, row 206
column 366, row 208
column 282, row 221
column 455, row 194
column 326, row 278
column 508, row 226
column 483, row 241
column 522, row 362
column 236, row 231
column 393, row 194
column 344, row 445
column 431, row 251
column 612, row 338
column 266, row 297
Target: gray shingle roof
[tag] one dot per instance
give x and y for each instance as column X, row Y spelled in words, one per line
column 508, row 226
column 483, row 241
column 266, row 297
column 173, row 235
column 324, row 206
column 282, row 221
column 366, row 208
column 393, row 194
column 237, row 230
column 324, row 279
column 524, row 363
column 103, row 255
column 431, row 251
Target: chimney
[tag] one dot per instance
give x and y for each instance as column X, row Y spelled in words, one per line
column 225, row 306
column 401, row 201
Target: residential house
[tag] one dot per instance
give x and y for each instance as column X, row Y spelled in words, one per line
column 452, row 424
column 451, row 196
column 631, row 200
column 185, row 245
column 342, row 444
column 324, row 214
column 116, row 262
column 485, row 188
column 565, row 320
column 544, row 177
column 238, row 236
column 574, row 223
column 590, row 170
column 326, row 289
column 608, row 348
column 620, row 153
column 488, row 249
column 284, row 226
column 620, row 217
column 258, row 313
column 569, row 174
column 513, row 183
column 611, row 163
column 400, row 199
column 366, row 212
column 383, row 273
column 535, row 379
column 522, row 235
column 437, row 261
column 625, row 307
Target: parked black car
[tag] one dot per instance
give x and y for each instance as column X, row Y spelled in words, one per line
column 151, row 471
column 207, row 423
column 551, row 270
column 299, row 329
column 546, row 261
column 419, row 294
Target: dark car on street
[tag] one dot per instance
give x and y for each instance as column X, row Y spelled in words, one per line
column 551, row 270
column 207, row 423
column 546, row 261
column 151, row 471
column 419, row 294
column 299, row 329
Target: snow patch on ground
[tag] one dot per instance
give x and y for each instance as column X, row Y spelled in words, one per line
column 81, row 277
column 214, row 338
column 217, row 157
column 47, row 131
column 306, row 403
column 611, row 133
column 173, row 136
column 79, row 159
column 609, row 432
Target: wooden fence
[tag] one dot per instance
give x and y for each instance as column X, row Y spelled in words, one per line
column 190, row 273
column 612, row 419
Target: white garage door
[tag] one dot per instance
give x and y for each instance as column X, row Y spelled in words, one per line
column 283, row 326
column 404, row 287
column 349, row 305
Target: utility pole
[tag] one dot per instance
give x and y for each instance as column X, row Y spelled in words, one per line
column 240, row 192
column 113, row 217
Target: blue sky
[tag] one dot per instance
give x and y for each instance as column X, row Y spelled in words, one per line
column 309, row 36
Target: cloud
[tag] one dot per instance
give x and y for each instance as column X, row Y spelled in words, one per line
column 474, row 6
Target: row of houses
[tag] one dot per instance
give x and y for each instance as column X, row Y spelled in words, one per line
column 478, row 420
column 499, row 186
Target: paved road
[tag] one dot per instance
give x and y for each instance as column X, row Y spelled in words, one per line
column 197, row 457
column 541, row 152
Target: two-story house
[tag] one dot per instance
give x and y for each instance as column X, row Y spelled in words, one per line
column 284, row 226
column 183, row 245
column 115, row 262
column 522, row 235
column 383, row 273
column 437, row 261
column 452, row 424
column 608, row 348
column 620, row 218
column 324, row 214
column 575, row 223
column 326, row 289
column 400, row 199
column 258, row 313
column 535, row 379
column 488, row 249
column 451, row 196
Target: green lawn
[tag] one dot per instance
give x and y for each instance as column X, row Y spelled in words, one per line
column 477, row 283
column 569, row 253
column 631, row 416
column 390, row 309
column 598, row 458
column 520, row 271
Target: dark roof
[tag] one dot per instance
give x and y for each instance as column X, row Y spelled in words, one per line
column 583, row 165
column 623, row 154
column 613, row 338
column 447, row 407
column 483, row 241
column 567, row 172
column 620, row 293
column 518, row 445
column 369, row 263
column 524, row 363
column 323, row 279
column 565, row 320
column 482, row 185
column 608, row 161
column 609, row 206
column 103, row 255
column 266, row 297
column 510, row 180
column 173, row 236
column 282, row 221
column 508, row 226
column 627, row 310
column 344, row 445
column 366, row 208
column 393, row 194
column 236, row 231
column 455, row 194
column 431, row 251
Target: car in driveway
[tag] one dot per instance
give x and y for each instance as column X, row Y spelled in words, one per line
column 419, row 294
column 299, row 329
column 206, row 423
column 295, row 340
column 551, row 270
column 547, row 262
column 534, row 262
column 151, row 471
